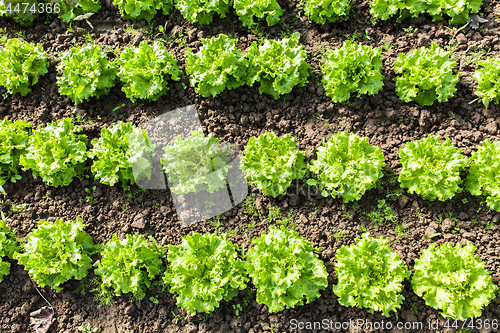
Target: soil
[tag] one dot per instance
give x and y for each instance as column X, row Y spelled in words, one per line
column 234, row 117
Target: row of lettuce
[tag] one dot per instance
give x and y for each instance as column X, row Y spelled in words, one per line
column 284, row 269
column 425, row 74
column 346, row 166
column 250, row 13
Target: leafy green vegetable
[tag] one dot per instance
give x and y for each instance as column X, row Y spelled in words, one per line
column 370, row 275
column 202, row 11
column 70, row 9
column 432, row 169
column 272, row 163
column 218, row 65
column 488, row 79
column 427, row 75
column 56, row 252
column 21, row 65
column 116, row 155
column 146, row 69
column 452, row 279
column 143, row 9
column 353, row 68
column 24, row 12
column 484, row 172
column 196, row 164
column 86, row 73
column 56, row 153
column 457, row 10
column 8, row 246
column 285, row 270
column 321, row 11
column 129, row 265
column 14, row 138
column 347, row 165
column 204, row 269
column 279, row 65
column 248, row 9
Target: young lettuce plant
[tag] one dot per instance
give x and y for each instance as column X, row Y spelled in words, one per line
column 451, row 279
column 370, row 275
column 146, row 70
column 488, row 79
column 122, row 155
column 56, row 252
column 483, row 172
column 128, row 266
column 427, row 75
column 195, row 164
column 385, row 9
column 14, row 137
column 204, row 270
column 247, row 10
column 202, row 11
column 21, row 65
column 431, row 169
column 218, row 65
column 86, row 73
column 347, row 166
column 278, row 65
column 285, row 270
column 8, row 246
column 321, row 11
column 56, row 153
column 352, row 69
column 143, row 10
column 271, row 163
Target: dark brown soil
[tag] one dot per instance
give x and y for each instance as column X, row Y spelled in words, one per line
column 234, row 117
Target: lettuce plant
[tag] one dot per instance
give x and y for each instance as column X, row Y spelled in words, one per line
column 370, row 275
column 285, row 270
column 451, row 279
column 56, row 153
column 56, row 252
column 118, row 158
column 271, row 163
column 203, row 270
column 427, row 75
column 488, row 79
column 129, row 265
column 218, row 65
column 202, row 11
column 483, row 173
column 247, row 10
column 146, row 70
column 143, row 10
column 431, row 169
column 24, row 12
column 385, row 9
column 352, row 69
column 21, row 65
column 196, row 164
column 279, row 65
column 14, row 137
column 8, row 246
column 70, row 9
column 86, row 73
column 347, row 166
column 321, row 11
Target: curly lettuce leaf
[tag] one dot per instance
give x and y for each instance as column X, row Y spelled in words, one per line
column 321, row 11
column 432, row 169
column 347, row 166
column 370, row 275
column 488, row 79
column 247, row 10
column 451, row 279
column 202, row 11
column 56, row 252
column 143, row 9
column 285, row 270
column 8, row 246
column 427, row 75
column 14, row 137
